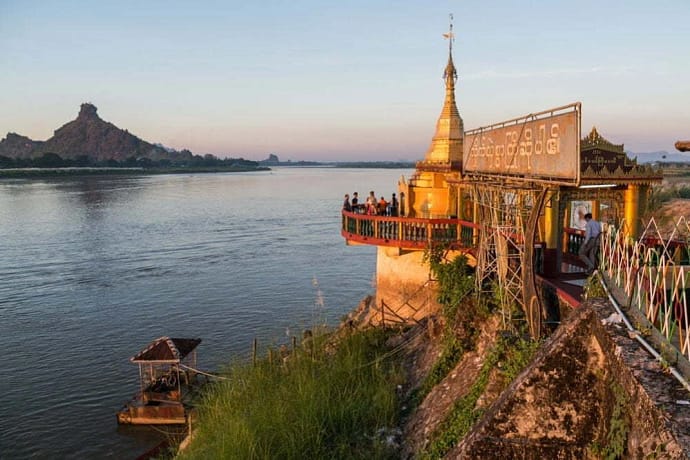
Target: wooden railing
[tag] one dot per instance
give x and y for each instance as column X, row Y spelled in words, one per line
column 406, row 232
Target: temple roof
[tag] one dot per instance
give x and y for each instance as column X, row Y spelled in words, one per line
column 602, row 161
column 594, row 140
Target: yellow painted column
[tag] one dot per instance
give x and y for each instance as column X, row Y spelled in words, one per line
column 632, row 208
column 552, row 256
column 551, row 233
column 460, row 211
column 596, row 210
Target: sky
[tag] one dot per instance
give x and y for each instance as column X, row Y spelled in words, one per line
column 342, row 80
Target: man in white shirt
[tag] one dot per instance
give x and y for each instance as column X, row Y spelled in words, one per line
column 590, row 247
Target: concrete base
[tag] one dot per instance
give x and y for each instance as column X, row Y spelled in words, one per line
column 405, row 290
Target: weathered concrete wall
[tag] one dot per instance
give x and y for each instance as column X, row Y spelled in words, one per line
column 590, row 390
column 404, row 289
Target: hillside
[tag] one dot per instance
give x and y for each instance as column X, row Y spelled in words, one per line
column 88, row 135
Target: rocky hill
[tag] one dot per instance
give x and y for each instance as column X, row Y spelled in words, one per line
column 88, row 135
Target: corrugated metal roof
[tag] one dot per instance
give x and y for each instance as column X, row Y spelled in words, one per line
column 166, row 350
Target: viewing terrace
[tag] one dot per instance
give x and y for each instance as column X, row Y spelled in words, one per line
column 407, row 232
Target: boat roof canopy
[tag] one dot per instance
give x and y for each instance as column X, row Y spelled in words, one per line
column 166, row 350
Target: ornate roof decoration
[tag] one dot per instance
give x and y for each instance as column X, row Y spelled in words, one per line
column 604, row 162
column 594, row 140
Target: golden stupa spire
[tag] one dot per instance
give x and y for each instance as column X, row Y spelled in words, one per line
column 450, row 75
column 446, row 146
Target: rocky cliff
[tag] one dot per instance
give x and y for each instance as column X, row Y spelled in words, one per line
column 88, row 135
column 590, row 392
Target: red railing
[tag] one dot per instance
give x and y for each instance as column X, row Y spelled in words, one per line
column 406, row 232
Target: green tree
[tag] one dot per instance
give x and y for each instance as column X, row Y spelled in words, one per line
column 49, row 160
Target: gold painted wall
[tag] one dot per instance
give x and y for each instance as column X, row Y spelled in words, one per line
column 403, row 286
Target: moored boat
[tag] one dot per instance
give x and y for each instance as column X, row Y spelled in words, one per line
column 167, row 383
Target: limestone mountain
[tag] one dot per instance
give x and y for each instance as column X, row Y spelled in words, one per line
column 88, row 135
column 17, row 146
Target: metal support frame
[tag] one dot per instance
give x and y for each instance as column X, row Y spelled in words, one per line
column 509, row 213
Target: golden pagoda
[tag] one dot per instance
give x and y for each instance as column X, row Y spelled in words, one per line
column 427, row 193
column 428, row 212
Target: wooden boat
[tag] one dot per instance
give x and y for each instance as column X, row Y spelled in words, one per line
column 167, row 383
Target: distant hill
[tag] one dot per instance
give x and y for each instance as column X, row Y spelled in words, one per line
column 88, row 135
column 660, row 156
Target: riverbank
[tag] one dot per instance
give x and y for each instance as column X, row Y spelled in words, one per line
column 333, row 396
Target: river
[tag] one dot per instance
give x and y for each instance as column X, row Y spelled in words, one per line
column 94, row 268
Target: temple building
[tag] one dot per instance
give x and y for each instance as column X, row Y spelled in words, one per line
column 444, row 203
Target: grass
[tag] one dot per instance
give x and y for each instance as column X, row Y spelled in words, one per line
column 341, row 404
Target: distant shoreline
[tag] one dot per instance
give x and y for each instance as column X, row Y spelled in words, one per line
column 343, row 164
column 30, row 173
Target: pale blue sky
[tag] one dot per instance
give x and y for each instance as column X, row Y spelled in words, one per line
column 341, row 80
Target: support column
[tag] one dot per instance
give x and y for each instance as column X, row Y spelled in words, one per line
column 552, row 233
column 475, row 220
column 632, row 210
column 460, row 212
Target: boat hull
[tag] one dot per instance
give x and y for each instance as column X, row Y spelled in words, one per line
column 152, row 414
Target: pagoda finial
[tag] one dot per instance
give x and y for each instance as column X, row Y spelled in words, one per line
column 449, row 35
column 450, row 75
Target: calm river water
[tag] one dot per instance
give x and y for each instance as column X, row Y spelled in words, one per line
column 93, row 268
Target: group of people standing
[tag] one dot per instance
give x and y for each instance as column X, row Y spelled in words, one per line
column 371, row 206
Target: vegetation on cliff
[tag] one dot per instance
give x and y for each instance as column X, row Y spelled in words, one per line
column 455, row 284
column 508, row 358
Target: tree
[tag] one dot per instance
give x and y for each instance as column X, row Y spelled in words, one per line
column 6, row 162
column 49, row 160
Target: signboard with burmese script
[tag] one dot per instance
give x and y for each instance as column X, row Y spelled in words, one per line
column 543, row 147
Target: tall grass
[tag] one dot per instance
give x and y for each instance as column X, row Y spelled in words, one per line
column 316, row 404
